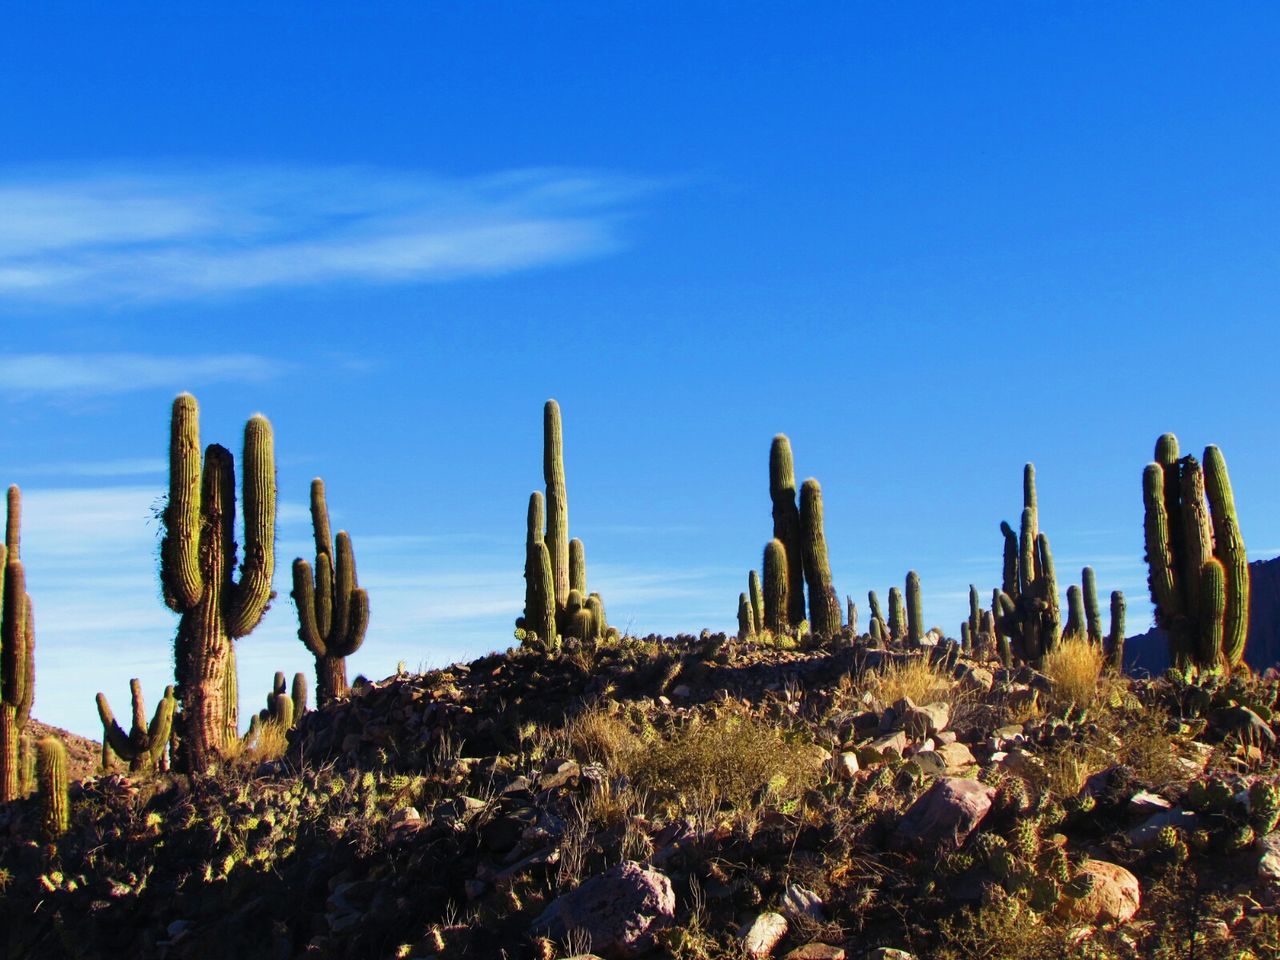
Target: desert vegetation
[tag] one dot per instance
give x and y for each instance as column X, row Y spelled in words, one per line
column 799, row 788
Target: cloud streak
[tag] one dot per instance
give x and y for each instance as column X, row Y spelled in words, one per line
column 113, row 235
column 31, row 374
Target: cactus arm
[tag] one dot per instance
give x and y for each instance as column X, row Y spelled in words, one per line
column 746, row 629
column 577, row 566
column 1051, row 628
column 29, row 671
column 1075, row 613
column 1213, row 605
column 595, row 606
column 541, row 619
column 1228, row 547
column 786, row 523
column 897, row 617
column 1093, row 618
column 533, row 532
column 824, row 614
column 1115, row 640
column 557, row 535
column 1197, row 531
column 915, row 609
column 112, row 732
column 161, row 725
column 1009, row 566
column 305, row 599
column 298, row 694
column 1162, row 564
column 320, row 518
column 180, row 551
column 1027, row 552
column 13, row 524
column 251, row 595
column 756, row 594
column 357, row 624
column 13, row 635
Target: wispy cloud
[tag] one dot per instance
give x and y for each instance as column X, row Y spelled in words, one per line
column 104, row 235
column 98, row 373
column 137, row 467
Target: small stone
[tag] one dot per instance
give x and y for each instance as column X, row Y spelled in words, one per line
column 557, row 773
column 799, row 901
column 682, row 691
column 957, row 757
column 891, row 953
column 1269, row 862
column 763, row 935
column 945, row 814
column 846, row 766
column 1144, row 803
column 1146, row 833
column 895, row 742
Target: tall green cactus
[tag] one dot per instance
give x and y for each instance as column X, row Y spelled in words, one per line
column 897, row 615
column 55, row 803
column 144, row 744
column 746, row 619
column 557, row 537
column 540, row 603
column 1093, row 618
column 197, row 560
column 756, row 595
column 577, row 566
column 1198, row 568
column 915, row 609
column 333, row 610
column 786, row 523
column 1075, row 627
column 17, row 651
column 1028, row 611
column 824, row 607
column 777, row 584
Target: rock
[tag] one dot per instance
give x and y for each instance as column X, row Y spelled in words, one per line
column 1147, row 832
column 846, row 766
column 896, row 742
column 891, row 953
column 683, row 691
column 926, row 721
column 957, row 757
column 945, row 814
column 763, row 935
column 1269, row 862
column 816, row 951
column 1144, row 803
column 557, row 773
column 977, row 678
column 1115, row 896
column 621, row 910
column 929, row 763
column 798, row 901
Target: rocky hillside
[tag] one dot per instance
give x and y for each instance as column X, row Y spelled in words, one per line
column 691, row 798
column 1149, row 652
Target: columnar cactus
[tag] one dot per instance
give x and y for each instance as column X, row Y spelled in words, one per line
column 1075, row 627
column 557, row 537
column 897, row 616
column 786, row 523
column 1029, row 611
column 298, row 694
column 577, row 566
column 54, row 802
column 540, row 603
column 144, row 744
column 851, row 615
column 777, row 584
column 197, row 558
column 746, row 619
column 878, row 628
column 1115, row 639
column 1093, row 619
column 915, row 609
column 824, row 608
column 1199, row 571
column 17, row 651
column 333, row 610
column 533, row 535
column 756, row 595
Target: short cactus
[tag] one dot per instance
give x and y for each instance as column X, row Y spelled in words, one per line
column 897, row 615
column 878, row 627
column 54, row 803
column 333, row 610
column 777, row 583
column 1115, row 638
column 1093, row 619
column 756, row 595
column 915, row 609
column 144, row 745
column 746, row 619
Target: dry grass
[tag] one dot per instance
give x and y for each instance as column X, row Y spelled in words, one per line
column 1074, row 666
column 269, row 743
column 917, row 679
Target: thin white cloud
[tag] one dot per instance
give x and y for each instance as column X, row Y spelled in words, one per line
column 137, row 467
column 113, row 235
column 101, row 373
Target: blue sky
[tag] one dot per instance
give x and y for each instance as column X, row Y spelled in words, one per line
column 929, row 242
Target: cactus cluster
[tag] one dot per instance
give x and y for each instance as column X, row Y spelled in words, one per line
column 197, row 560
column 285, row 704
column 17, row 652
column 556, row 601
column 144, row 745
column 1198, row 569
column 333, row 610
column 1028, row 612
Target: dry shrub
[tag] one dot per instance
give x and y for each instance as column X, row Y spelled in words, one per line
column 917, row 679
column 269, row 743
column 1074, row 666
column 598, row 736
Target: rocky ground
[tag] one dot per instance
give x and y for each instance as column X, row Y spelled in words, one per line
column 691, row 798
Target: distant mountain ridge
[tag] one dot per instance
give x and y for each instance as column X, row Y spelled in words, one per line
column 1149, row 651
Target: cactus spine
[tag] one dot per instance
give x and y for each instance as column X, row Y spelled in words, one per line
column 17, row 651
column 54, row 802
column 777, row 583
column 915, row 609
column 144, row 744
column 786, row 523
column 1198, row 568
column 1028, row 613
column 824, row 608
column 333, row 610
column 197, row 558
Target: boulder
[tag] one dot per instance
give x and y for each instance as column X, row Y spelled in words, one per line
column 945, row 814
column 621, row 911
column 763, row 935
column 799, row 901
column 1115, row 896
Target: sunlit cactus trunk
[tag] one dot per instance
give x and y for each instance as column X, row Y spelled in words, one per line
column 824, row 608
column 17, row 652
column 198, row 557
column 786, row 523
